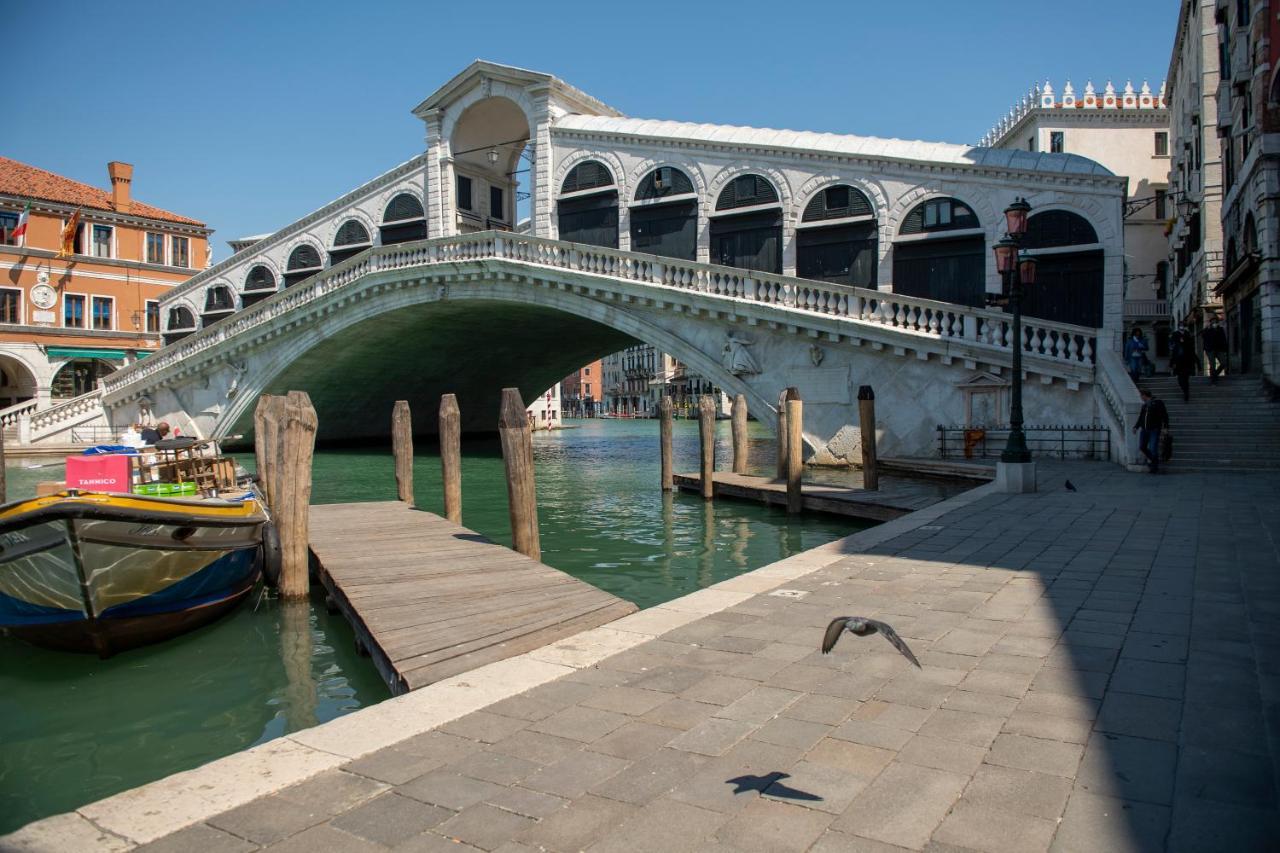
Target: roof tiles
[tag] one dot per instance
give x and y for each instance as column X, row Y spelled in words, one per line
column 24, row 181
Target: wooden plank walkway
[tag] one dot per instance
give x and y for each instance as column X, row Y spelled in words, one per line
column 893, row 500
column 430, row 599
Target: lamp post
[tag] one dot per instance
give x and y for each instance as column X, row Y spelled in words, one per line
column 1016, row 271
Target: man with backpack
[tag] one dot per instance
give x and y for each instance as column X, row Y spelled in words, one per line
column 1153, row 418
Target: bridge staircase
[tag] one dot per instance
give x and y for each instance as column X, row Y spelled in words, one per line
column 1231, row 425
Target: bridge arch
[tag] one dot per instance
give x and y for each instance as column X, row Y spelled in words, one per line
column 492, row 127
column 310, row 361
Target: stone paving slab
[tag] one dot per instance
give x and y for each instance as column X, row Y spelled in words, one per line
column 1101, row 672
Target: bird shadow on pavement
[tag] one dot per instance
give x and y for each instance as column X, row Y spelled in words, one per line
column 771, row 784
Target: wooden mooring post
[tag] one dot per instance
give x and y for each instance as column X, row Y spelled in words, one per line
column 402, row 449
column 739, row 413
column 285, row 439
column 795, row 450
column 451, row 457
column 707, row 437
column 664, row 442
column 517, row 455
column 782, row 434
column 867, row 422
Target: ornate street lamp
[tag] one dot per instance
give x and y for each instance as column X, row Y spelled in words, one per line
column 1016, row 271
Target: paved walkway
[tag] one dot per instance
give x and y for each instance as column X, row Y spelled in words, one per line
column 1101, row 672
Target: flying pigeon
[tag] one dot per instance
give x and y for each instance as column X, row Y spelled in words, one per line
column 1070, row 487
column 861, row 627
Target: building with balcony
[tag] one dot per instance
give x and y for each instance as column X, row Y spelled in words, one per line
column 581, row 391
column 70, row 314
column 1195, row 167
column 1248, row 118
column 1128, row 132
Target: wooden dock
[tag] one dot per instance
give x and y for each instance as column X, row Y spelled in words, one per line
column 430, row 599
column 893, row 500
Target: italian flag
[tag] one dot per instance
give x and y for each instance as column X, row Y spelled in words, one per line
column 20, row 230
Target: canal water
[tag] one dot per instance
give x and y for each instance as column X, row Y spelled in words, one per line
column 74, row 729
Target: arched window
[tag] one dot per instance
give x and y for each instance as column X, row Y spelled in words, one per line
column 751, row 240
column 181, row 323
column 591, row 219
column 352, row 239
column 304, row 262
column 588, row 175
column 837, row 239
column 403, row 221
column 219, row 301
column 666, row 228
column 1068, row 285
column 935, row 258
column 258, row 285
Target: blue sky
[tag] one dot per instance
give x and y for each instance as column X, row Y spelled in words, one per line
column 250, row 115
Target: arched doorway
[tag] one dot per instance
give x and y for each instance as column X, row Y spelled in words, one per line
column 17, row 383
column 352, row 239
column 258, row 285
column 1069, row 269
column 79, row 376
column 587, row 207
column 940, row 253
column 836, row 239
column 304, row 262
column 664, row 215
column 746, row 228
column 219, row 302
column 487, row 144
column 181, row 323
column 403, row 221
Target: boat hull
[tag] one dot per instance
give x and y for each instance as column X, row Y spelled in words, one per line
column 105, row 573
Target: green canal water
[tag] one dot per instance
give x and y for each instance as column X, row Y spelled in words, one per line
column 74, row 729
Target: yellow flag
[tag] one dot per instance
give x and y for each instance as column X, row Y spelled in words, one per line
column 69, row 234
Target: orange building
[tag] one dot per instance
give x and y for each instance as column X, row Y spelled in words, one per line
column 581, row 391
column 66, row 320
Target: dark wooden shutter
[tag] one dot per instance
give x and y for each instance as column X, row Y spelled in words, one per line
column 752, row 241
column 837, row 202
column 946, row 270
column 675, row 182
column 351, row 233
column 587, row 176
column 403, row 206
column 592, row 220
column 260, row 278
column 669, row 230
column 1058, row 228
column 1068, row 289
column 845, row 254
column 746, row 190
column 954, row 215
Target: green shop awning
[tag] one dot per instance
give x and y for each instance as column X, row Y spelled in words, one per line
column 85, row 352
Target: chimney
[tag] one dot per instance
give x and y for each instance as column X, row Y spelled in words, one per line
column 121, row 176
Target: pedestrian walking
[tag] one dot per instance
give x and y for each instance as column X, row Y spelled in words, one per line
column 1134, row 350
column 1182, row 359
column 1214, row 341
column 1153, row 418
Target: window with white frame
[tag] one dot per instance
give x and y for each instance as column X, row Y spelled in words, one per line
column 179, row 251
column 155, row 248
column 103, row 309
column 10, row 305
column 153, row 315
column 101, row 247
column 73, row 311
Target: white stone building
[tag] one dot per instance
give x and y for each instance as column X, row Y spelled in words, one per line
column 1195, row 166
column 1128, row 132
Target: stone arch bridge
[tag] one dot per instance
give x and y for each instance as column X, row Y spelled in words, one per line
column 472, row 313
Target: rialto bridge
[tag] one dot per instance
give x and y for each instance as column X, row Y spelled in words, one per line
column 760, row 258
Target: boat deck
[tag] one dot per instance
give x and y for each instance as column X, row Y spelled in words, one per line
column 429, row 599
column 894, row 499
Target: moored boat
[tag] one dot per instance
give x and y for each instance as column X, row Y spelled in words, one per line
column 103, row 572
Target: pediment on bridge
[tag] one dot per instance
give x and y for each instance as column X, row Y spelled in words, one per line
column 981, row 380
column 484, row 73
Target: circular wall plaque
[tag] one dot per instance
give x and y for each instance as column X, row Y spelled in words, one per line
column 44, row 296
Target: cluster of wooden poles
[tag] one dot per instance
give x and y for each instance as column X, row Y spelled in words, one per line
column 284, row 443
column 790, row 439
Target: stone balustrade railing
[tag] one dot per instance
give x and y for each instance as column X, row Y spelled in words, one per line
column 66, row 414
column 1121, row 404
column 1047, row 344
column 13, row 414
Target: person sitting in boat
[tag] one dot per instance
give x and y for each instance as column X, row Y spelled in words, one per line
column 152, row 435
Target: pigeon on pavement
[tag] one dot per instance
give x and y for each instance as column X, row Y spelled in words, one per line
column 861, row 626
column 1070, row 487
